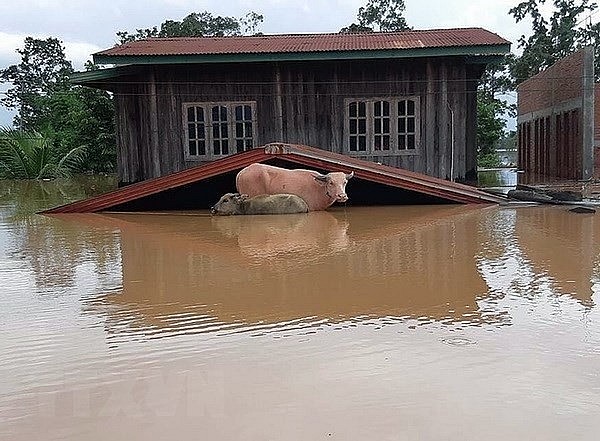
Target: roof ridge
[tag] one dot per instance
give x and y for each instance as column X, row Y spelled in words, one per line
column 413, row 39
column 315, row 34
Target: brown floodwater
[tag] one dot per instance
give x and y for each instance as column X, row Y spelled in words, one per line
column 386, row 323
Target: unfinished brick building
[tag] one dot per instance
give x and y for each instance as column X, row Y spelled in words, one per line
column 557, row 134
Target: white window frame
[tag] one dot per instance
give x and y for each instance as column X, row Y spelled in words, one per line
column 393, row 129
column 208, row 132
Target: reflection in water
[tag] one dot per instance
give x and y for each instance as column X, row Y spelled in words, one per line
column 234, row 327
column 294, row 235
column 48, row 245
column 569, row 261
column 256, row 272
column 502, row 179
column 21, row 199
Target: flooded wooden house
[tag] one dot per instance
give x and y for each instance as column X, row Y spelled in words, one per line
column 403, row 99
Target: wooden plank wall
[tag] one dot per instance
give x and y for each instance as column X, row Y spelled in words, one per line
column 298, row 103
column 130, row 130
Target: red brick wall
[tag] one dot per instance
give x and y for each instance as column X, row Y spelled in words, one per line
column 550, row 133
column 562, row 81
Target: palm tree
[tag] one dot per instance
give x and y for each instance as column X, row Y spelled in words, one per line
column 31, row 155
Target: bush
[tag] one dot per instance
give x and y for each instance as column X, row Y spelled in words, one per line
column 489, row 160
column 31, row 155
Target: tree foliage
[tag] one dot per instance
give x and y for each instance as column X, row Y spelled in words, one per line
column 379, row 16
column 565, row 31
column 43, row 71
column 490, row 123
column 83, row 117
column 198, row 24
column 72, row 118
column 492, row 109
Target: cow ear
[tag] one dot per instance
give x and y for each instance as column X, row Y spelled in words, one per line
column 350, row 175
column 321, row 178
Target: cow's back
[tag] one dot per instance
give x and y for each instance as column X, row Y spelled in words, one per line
column 252, row 180
column 257, row 179
column 275, row 204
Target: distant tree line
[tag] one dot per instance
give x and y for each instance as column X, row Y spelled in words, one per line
column 61, row 127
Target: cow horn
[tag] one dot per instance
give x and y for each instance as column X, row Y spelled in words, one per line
column 350, row 175
column 321, row 178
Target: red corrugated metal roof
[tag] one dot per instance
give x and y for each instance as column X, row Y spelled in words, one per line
column 264, row 44
column 298, row 154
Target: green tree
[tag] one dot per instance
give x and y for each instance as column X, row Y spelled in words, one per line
column 198, row 25
column 492, row 110
column 490, row 128
column 72, row 117
column 43, row 71
column 96, row 130
column 379, row 16
column 562, row 33
column 82, row 116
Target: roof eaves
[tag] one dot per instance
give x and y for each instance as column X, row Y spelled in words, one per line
column 472, row 51
column 99, row 75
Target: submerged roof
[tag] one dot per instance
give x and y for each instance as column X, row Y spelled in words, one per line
column 433, row 42
column 291, row 153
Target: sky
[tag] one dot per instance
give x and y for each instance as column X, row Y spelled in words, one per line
column 88, row 26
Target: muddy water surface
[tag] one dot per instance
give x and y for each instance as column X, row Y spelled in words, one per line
column 385, row 323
